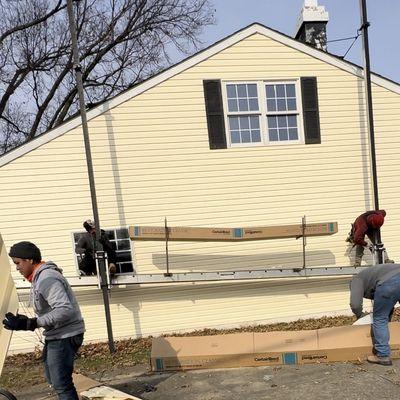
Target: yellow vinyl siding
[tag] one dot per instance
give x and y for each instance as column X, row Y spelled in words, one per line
column 164, row 309
column 152, row 160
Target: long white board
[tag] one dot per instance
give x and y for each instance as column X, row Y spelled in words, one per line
column 8, row 300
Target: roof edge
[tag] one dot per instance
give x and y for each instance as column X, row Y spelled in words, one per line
column 188, row 63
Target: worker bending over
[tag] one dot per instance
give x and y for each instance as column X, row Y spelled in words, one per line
column 368, row 224
column 380, row 283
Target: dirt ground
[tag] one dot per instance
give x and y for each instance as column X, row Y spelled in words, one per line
column 339, row 381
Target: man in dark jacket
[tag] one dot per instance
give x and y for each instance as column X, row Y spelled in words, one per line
column 57, row 311
column 380, row 283
column 366, row 224
column 86, row 246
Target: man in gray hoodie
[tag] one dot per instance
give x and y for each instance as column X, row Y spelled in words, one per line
column 380, row 283
column 57, row 312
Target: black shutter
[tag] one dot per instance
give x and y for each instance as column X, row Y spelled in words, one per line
column 309, row 92
column 215, row 114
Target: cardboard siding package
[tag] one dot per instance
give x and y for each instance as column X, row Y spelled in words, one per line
column 8, row 300
column 231, row 234
column 345, row 343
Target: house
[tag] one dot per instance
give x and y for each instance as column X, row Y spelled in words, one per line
column 257, row 129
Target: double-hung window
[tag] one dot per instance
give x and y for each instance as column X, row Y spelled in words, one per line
column 262, row 113
column 119, row 238
column 243, row 113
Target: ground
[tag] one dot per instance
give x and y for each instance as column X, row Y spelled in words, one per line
column 128, row 371
column 339, row 381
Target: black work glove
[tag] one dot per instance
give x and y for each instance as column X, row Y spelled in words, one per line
column 363, row 314
column 19, row 322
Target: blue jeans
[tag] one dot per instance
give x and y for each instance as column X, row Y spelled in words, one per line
column 386, row 296
column 58, row 357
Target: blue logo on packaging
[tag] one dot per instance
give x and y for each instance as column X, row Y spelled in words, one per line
column 238, row 232
column 289, row 358
column 159, row 364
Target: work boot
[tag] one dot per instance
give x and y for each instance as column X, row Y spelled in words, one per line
column 357, row 262
column 112, row 269
column 379, row 360
column 389, row 261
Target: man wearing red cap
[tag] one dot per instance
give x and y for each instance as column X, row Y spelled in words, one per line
column 367, row 224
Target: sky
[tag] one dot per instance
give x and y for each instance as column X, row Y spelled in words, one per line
column 344, row 21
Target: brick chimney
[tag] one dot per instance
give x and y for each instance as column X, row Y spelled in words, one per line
column 311, row 25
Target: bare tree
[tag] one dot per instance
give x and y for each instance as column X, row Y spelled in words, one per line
column 121, row 43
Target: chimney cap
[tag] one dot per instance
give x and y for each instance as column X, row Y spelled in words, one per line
column 311, row 12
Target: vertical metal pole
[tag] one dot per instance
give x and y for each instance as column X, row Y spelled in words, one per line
column 166, row 247
column 370, row 119
column 79, row 85
column 303, row 228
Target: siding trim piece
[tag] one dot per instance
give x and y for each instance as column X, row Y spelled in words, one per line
column 188, row 63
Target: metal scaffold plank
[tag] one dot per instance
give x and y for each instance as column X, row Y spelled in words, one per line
column 87, row 281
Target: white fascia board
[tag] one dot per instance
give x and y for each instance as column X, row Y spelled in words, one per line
column 186, row 64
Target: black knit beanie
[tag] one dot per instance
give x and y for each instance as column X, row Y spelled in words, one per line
column 25, row 250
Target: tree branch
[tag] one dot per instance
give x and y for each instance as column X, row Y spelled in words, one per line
column 37, row 21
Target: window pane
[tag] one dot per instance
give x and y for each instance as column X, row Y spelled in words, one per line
column 126, row 267
column 244, row 123
column 246, row 137
column 273, row 135
column 252, row 90
column 123, row 256
column 77, row 236
column 235, row 137
column 233, row 123
column 255, row 136
column 270, row 91
column 291, row 104
column 281, row 121
column 124, row 244
column 281, row 104
column 290, row 90
column 231, row 91
column 293, row 134
column 271, row 105
column 122, row 233
column 232, row 105
column 280, row 91
column 241, row 89
column 272, row 122
column 292, row 121
column 283, row 134
column 254, row 122
column 253, row 104
column 243, row 105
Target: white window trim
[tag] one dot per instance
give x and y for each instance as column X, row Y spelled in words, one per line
column 262, row 113
column 75, row 255
column 227, row 114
